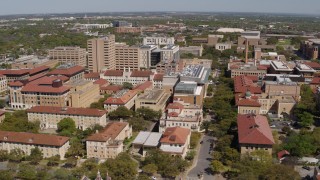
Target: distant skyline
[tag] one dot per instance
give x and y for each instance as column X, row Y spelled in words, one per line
column 9, row 7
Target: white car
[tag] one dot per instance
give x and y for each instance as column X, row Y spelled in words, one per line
column 273, row 126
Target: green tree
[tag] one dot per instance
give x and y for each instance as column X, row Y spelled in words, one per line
column 272, row 41
column 194, row 139
column 190, row 155
column 127, row 85
column 4, row 155
column 121, row 168
column 53, row 161
column 16, row 155
column 27, row 172
column 148, row 114
column 18, row 122
column 278, row 171
column 217, row 166
column 139, row 124
column 36, row 156
column 6, row 175
column 121, row 112
column 2, row 103
column 66, row 127
column 76, row 148
column 306, row 119
column 150, row 169
column 300, row 145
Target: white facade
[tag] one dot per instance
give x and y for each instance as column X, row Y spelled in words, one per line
column 145, row 55
column 158, row 40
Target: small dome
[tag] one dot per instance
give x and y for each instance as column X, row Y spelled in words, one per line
column 248, row 94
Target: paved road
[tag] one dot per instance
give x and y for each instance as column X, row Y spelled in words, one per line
column 203, row 163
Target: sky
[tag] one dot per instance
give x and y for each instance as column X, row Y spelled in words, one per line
column 78, row 6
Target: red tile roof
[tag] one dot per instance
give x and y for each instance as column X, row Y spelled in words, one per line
column 141, row 73
column 248, row 102
column 101, row 82
column 110, row 132
column 113, row 73
column 37, row 76
column 175, row 135
column 31, row 138
column 114, row 88
column 263, row 67
column 313, row 65
column 14, row 72
column 92, row 75
column 38, row 70
column 67, row 111
column 254, row 129
column 67, row 71
column 242, row 84
column 144, row 86
column 173, row 114
column 175, row 105
column 158, row 77
column 16, row 84
column 44, row 89
column 121, row 100
column 315, row 80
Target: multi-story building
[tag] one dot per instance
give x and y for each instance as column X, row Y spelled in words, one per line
column 46, row 91
column 124, row 98
column 133, row 77
column 23, row 74
column 253, row 38
column 150, row 56
column 310, row 48
column 175, row 141
column 213, row 39
column 74, row 73
column 50, row 145
column 109, row 142
column 69, row 55
column 82, row 93
column 49, row 116
column 254, row 133
column 249, row 69
column 128, row 30
column 3, row 83
column 280, row 67
column 101, row 53
column 121, row 24
column 189, row 92
column 160, row 41
column 32, row 61
column 156, row 99
column 181, row 114
column 170, row 53
column 127, row 57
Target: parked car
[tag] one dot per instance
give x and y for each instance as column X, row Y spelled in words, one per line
column 273, row 126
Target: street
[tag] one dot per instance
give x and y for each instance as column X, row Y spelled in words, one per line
column 203, row 161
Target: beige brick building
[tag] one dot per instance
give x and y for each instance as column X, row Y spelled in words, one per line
column 101, row 53
column 124, row 98
column 73, row 55
column 3, row 83
column 49, row 117
column 50, row 145
column 156, row 99
column 109, row 142
column 127, row 57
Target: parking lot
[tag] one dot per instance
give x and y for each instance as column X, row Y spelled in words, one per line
column 303, row 172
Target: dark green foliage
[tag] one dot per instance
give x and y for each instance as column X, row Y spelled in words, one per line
column 127, row 85
column 148, row 114
column 138, row 124
column 121, row 112
column 66, row 127
column 18, row 122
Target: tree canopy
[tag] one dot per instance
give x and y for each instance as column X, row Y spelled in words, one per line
column 66, row 127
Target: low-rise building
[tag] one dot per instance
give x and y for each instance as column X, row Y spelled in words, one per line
column 50, row 145
column 74, row 73
column 254, row 133
column 156, row 99
column 189, row 92
column 146, row 141
column 124, row 98
column 194, row 50
column 222, row 46
column 280, row 67
column 176, row 141
column 3, row 83
column 49, row 117
column 158, row 40
column 134, row 77
column 109, row 142
column 183, row 115
column 121, row 30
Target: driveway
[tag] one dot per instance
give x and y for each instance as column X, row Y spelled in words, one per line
column 203, row 161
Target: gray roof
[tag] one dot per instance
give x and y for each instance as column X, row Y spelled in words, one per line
column 150, row 139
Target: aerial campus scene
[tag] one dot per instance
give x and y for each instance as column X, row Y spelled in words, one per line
column 160, row 90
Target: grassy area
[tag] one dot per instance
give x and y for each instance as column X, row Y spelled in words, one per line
column 128, row 142
column 194, row 140
column 284, row 42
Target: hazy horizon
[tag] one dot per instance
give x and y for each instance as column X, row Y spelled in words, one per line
column 12, row 7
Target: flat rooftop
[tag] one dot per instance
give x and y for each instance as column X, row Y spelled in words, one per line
column 192, row 71
column 152, row 95
column 279, row 65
